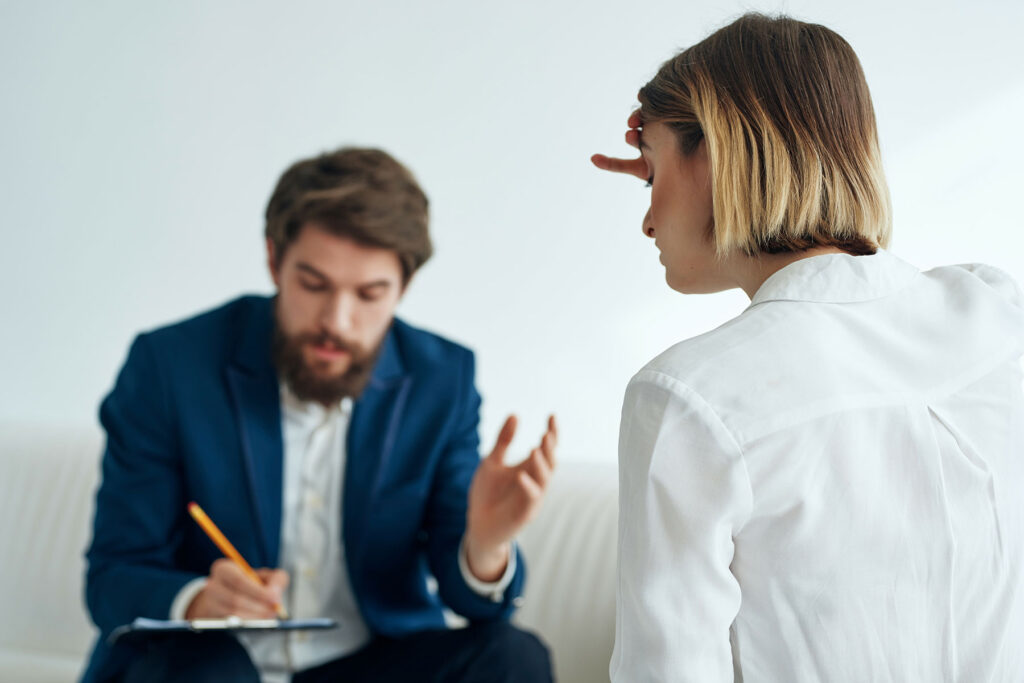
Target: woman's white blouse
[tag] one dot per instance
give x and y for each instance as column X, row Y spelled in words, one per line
column 830, row 487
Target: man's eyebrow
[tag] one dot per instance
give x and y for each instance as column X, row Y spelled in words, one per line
column 305, row 267
column 376, row 284
column 373, row 284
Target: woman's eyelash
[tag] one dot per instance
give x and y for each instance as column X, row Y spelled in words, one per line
column 650, row 182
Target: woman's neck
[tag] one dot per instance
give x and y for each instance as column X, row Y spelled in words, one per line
column 750, row 272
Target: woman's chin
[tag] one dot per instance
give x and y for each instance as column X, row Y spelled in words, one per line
column 678, row 281
column 694, row 285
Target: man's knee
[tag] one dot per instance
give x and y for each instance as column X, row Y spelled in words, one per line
column 192, row 658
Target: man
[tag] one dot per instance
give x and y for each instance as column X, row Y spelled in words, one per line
column 335, row 446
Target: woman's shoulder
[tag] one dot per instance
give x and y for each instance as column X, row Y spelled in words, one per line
column 722, row 355
column 998, row 280
column 802, row 357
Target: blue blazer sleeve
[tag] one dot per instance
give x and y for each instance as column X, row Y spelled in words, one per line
column 446, row 511
column 139, row 505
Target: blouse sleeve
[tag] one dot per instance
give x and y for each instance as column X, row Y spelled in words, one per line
column 684, row 494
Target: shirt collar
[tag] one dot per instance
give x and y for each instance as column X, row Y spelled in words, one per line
column 837, row 278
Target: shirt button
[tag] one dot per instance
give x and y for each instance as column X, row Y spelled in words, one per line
column 314, row 501
column 309, row 572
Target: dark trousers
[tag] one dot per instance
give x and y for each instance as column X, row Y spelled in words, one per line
column 493, row 652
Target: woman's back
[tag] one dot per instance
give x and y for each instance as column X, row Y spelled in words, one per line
column 858, row 435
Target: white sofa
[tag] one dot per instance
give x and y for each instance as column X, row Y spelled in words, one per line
column 48, row 475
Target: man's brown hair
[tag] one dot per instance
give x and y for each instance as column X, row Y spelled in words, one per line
column 364, row 195
column 790, row 131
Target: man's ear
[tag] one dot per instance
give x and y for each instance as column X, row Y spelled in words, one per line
column 272, row 263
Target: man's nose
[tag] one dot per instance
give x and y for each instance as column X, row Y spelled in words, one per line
column 338, row 314
column 646, row 227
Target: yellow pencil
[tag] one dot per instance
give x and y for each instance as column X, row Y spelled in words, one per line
column 225, row 546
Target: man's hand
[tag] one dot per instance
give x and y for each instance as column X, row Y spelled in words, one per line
column 230, row 592
column 634, row 167
column 503, row 499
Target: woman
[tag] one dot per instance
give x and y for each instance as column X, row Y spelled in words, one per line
column 829, row 487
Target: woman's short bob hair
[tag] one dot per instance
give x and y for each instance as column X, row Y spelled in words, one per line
column 790, row 131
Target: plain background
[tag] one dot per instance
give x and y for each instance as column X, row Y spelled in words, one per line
column 140, row 141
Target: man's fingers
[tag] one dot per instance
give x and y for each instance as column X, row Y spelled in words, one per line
column 549, row 442
column 538, row 468
column 274, row 579
column 221, row 600
column 547, row 449
column 508, row 430
column 233, row 604
column 634, row 120
column 245, row 587
column 633, row 138
column 531, row 488
column 237, row 582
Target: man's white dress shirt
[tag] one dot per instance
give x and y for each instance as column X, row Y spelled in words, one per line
column 830, row 487
column 312, row 551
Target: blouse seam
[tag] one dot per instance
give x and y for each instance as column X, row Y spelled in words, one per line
column 690, row 391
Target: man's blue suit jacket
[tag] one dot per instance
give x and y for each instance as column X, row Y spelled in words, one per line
column 195, row 415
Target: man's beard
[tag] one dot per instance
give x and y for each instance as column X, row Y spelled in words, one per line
column 309, row 385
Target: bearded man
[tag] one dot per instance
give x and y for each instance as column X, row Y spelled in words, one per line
column 335, row 446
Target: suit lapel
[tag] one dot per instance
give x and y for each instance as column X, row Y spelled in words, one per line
column 372, row 431
column 254, row 390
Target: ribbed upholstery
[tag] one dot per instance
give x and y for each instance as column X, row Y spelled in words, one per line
column 570, row 552
column 48, row 476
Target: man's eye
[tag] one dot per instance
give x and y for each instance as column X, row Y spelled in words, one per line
column 369, row 296
column 312, row 286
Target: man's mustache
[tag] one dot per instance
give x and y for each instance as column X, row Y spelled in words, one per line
column 329, row 340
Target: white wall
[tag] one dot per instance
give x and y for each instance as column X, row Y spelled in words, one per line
column 139, row 142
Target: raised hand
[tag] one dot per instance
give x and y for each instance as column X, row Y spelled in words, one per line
column 634, row 167
column 502, row 499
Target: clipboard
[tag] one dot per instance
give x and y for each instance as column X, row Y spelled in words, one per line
column 143, row 627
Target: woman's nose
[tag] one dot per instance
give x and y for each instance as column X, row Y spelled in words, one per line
column 646, row 227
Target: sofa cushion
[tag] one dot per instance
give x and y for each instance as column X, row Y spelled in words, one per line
column 570, row 550
column 48, row 478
